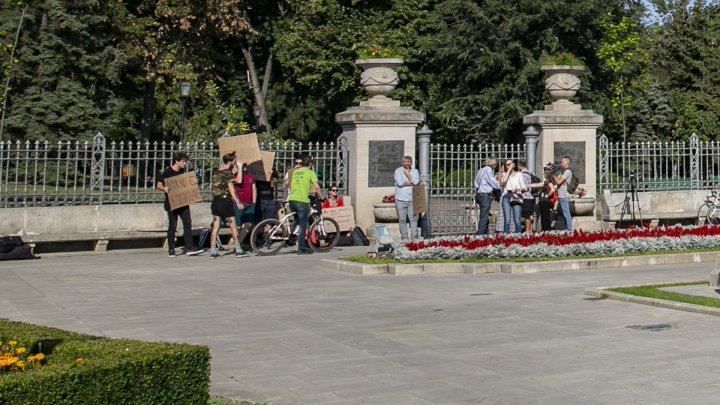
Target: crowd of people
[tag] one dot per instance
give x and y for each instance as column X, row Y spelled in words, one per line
column 514, row 183
column 240, row 201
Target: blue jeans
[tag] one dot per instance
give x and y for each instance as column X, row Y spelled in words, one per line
column 405, row 212
column 302, row 211
column 515, row 210
column 484, row 218
column 564, row 204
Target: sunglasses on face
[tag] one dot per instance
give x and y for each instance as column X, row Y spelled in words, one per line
column 334, row 189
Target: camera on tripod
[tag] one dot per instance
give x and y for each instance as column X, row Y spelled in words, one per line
column 632, row 180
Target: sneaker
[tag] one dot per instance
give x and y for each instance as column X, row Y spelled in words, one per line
column 171, row 253
column 304, row 252
column 214, row 256
column 240, row 253
column 194, row 252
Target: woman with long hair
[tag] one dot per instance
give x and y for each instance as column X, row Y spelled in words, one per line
column 511, row 200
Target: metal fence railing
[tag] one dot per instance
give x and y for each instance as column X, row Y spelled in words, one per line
column 452, row 190
column 659, row 166
column 34, row 173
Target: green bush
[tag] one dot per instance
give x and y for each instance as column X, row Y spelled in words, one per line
column 84, row 369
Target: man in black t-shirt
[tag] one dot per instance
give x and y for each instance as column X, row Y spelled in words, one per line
column 266, row 198
column 180, row 160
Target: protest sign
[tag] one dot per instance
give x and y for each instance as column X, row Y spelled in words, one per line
column 344, row 216
column 261, row 169
column 183, row 190
column 419, row 203
column 246, row 147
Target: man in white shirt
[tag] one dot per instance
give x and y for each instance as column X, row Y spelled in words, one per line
column 485, row 182
column 406, row 177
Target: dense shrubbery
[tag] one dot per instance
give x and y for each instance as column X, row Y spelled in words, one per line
column 80, row 368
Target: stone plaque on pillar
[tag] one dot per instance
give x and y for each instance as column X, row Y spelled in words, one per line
column 383, row 159
column 576, row 151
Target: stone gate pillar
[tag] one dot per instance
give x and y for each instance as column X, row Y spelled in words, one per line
column 378, row 133
column 567, row 129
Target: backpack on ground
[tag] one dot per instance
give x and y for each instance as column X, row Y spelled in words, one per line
column 573, row 185
column 359, row 237
column 9, row 243
column 13, row 248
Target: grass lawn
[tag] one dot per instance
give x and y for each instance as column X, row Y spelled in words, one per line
column 653, row 291
column 370, row 260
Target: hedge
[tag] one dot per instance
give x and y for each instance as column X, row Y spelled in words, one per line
column 85, row 369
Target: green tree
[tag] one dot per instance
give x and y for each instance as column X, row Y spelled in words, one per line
column 619, row 51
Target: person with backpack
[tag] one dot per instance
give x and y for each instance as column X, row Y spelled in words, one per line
column 563, row 181
column 528, row 205
column 485, row 183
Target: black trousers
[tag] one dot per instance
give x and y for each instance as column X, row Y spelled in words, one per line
column 184, row 214
column 544, row 208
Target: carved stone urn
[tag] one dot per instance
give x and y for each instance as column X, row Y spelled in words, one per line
column 379, row 76
column 562, row 81
column 582, row 206
column 385, row 213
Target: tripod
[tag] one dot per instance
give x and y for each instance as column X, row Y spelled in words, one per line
column 631, row 198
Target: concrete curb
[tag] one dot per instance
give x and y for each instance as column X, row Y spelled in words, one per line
column 399, row 269
column 603, row 292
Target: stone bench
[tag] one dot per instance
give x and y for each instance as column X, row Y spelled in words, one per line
column 653, row 206
column 99, row 241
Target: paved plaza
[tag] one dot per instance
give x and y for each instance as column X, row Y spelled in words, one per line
column 284, row 330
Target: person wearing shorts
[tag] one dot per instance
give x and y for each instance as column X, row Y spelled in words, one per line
column 221, row 207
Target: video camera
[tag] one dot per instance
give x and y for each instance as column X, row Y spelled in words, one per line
column 555, row 168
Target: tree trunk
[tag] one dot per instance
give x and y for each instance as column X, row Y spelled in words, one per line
column 9, row 73
column 149, row 104
column 258, row 92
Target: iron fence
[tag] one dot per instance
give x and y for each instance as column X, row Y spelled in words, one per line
column 34, row 173
column 452, row 191
column 658, row 166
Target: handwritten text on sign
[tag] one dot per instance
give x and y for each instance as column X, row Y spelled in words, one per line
column 344, row 216
column 182, row 190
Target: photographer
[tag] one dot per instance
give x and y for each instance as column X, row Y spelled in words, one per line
column 562, row 176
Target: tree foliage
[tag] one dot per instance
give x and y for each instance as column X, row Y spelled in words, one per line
column 114, row 66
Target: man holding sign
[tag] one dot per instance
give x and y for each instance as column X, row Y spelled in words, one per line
column 177, row 168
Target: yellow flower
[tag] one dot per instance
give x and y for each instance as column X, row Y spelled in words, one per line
column 12, row 342
column 20, row 350
column 79, row 360
column 20, row 364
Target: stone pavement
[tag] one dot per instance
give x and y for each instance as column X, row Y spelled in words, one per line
column 285, row 330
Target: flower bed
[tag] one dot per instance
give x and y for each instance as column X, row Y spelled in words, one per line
column 562, row 244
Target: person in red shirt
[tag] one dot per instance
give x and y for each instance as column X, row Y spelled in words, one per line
column 247, row 194
column 333, row 200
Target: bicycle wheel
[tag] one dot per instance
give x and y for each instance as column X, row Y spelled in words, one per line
column 268, row 237
column 323, row 234
column 702, row 214
column 713, row 216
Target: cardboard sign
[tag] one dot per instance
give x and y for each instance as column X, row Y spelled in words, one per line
column 419, row 204
column 262, row 169
column 345, row 216
column 183, row 190
column 246, row 147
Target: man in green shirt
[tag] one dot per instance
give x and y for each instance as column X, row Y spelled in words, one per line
column 303, row 182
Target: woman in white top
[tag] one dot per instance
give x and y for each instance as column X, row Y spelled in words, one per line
column 511, row 200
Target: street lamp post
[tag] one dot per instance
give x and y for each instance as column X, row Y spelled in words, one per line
column 184, row 94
